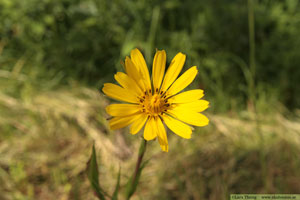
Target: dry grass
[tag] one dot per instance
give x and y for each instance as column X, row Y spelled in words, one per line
column 46, row 138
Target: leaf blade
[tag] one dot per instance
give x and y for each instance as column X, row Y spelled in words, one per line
column 116, row 192
column 131, row 186
column 93, row 174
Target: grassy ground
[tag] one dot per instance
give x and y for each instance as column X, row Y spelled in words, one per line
column 46, row 135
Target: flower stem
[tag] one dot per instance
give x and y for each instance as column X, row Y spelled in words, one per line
column 142, row 151
column 132, row 184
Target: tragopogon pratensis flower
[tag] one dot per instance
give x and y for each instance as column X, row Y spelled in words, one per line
column 153, row 104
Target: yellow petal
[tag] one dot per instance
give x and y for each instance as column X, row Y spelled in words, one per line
column 158, row 68
column 122, row 109
column 178, row 127
column 183, row 81
column 128, row 83
column 162, row 135
column 173, row 71
column 150, row 129
column 134, row 73
column 197, row 106
column 163, row 145
column 139, row 61
column 188, row 96
column 138, row 124
column 116, row 92
column 189, row 116
column 121, row 122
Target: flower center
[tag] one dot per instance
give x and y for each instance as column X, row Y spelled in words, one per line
column 154, row 104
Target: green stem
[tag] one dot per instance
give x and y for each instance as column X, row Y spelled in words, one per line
column 142, row 151
column 138, row 170
column 252, row 51
column 152, row 31
column 252, row 87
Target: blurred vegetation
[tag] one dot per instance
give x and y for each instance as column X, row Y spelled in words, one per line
column 55, row 55
column 86, row 39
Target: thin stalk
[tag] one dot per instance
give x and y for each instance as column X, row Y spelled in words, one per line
column 139, row 159
column 252, row 48
column 133, row 182
column 252, row 87
column 152, row 31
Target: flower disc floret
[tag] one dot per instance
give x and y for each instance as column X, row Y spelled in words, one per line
column 154, row 104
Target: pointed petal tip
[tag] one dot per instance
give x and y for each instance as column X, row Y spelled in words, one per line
column 189, row 137
column 107, row 109
column 182, row 54
column 104, row 88
column 204, row 123
column 164, row 147
column 135, row 50
column 207, row 121
column 195, row 68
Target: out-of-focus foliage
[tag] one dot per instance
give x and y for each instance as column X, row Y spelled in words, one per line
column 87, row 39
column 55, row 54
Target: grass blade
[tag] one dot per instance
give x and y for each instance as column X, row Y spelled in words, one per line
column 117, row 188
column 93, row 174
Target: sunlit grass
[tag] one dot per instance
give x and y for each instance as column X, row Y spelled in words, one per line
column 46, row 137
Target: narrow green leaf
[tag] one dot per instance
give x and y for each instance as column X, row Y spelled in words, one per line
column 92, row 173
column 132, row 184
column 117, row 188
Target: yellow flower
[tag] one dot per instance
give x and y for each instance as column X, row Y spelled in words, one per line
column 158, row 103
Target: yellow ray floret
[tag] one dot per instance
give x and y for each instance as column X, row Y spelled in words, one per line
column 188, row 96
column 158, row 68
column 140, row 63
column 173, row 70
column 154, row 105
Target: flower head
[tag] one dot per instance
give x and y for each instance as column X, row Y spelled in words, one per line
column 153, row 104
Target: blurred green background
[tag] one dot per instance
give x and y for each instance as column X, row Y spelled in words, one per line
column 55, row 56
